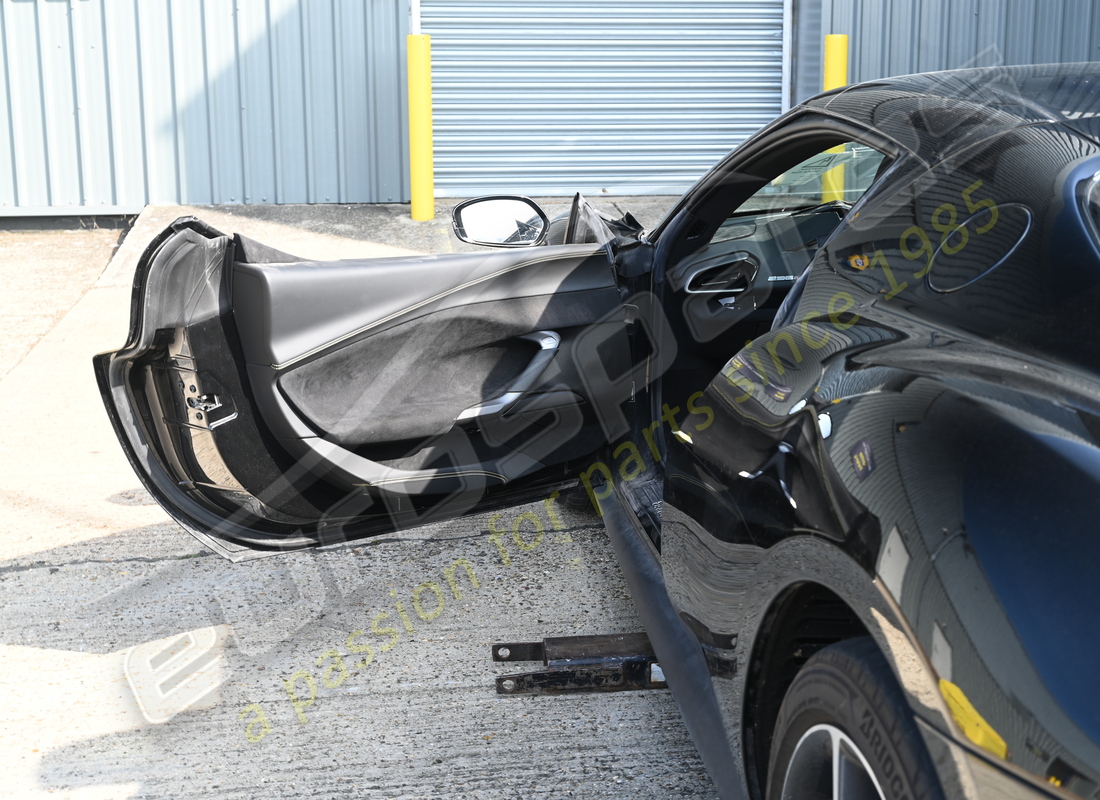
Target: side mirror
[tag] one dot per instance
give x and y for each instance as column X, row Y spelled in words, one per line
column 500, row 221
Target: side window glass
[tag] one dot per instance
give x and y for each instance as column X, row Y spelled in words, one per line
column 812, row 197
column 763, row 245
column 841, row 173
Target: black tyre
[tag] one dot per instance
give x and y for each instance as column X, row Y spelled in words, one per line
column 845, row 732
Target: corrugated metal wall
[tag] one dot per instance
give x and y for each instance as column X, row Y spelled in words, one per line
column 548, row 97
column 899, row 37
column 112, row 104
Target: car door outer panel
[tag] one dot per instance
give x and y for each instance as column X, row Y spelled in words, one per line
column 925, row 460
column 206, row 447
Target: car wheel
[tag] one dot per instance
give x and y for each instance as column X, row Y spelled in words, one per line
column 845, row 732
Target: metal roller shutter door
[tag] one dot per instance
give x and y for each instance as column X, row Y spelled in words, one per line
column 548, row 97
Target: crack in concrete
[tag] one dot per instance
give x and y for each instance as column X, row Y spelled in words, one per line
column 478, row 535
column 55, row 566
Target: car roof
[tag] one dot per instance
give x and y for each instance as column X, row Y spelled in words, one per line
column 935, row 112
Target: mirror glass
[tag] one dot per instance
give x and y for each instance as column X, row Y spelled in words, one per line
column 507, row 221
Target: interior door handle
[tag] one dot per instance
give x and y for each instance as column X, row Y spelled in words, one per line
column 548, row 343
column 734, row 275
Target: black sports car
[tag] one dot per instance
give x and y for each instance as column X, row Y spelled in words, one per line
column 840, row 412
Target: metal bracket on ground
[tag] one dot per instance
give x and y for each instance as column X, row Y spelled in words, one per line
column 606, row 663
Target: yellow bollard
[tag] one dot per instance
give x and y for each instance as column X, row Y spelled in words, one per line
column 836, row 61
column 421, row 170
column 836, row 75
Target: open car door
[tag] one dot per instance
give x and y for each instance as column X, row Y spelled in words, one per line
column 273, row 403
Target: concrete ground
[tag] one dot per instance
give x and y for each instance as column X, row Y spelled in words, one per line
column 114, row 619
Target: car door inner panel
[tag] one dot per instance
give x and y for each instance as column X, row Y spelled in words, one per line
column 268, row 400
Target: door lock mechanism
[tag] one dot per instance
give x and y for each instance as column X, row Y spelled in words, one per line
column 205, row 402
